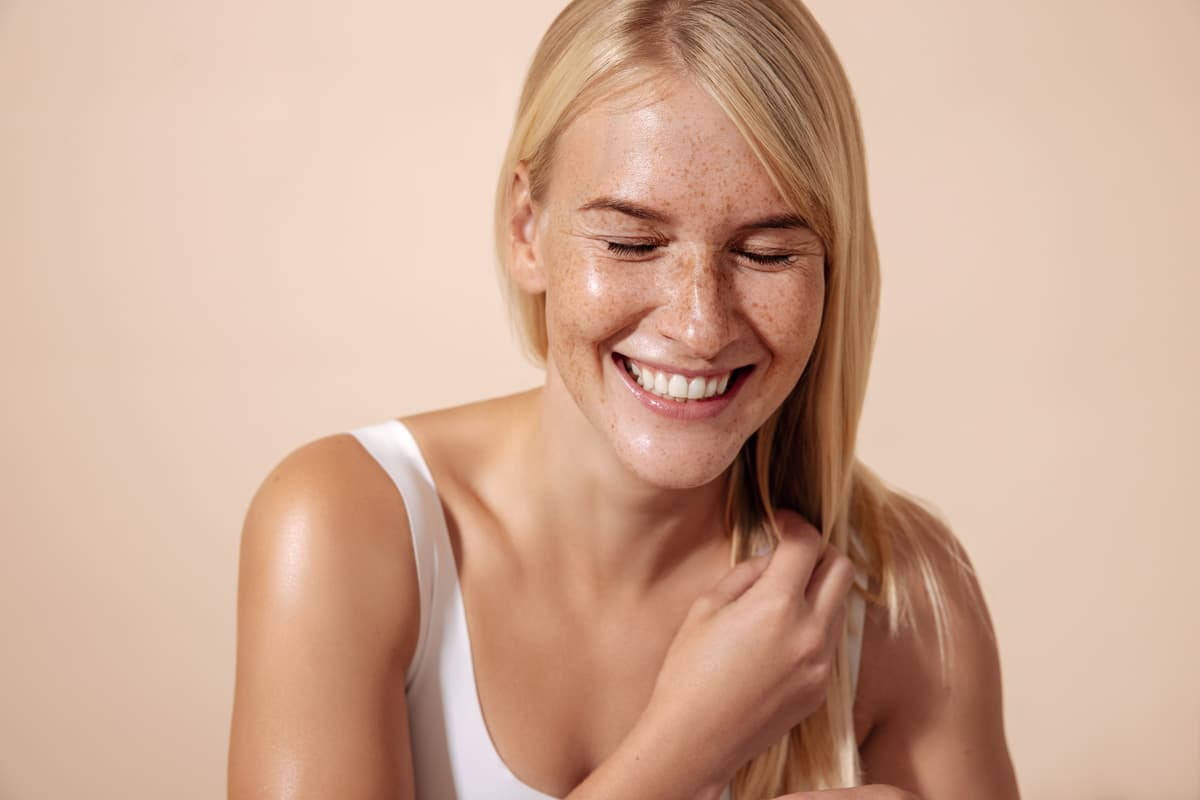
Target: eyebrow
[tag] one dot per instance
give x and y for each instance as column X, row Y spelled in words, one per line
column 624, row 207
column 784, row 221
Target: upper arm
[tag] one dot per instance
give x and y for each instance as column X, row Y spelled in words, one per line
column 327, row 624
column 940, row 735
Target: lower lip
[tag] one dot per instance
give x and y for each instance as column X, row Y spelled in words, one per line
column 687, row 409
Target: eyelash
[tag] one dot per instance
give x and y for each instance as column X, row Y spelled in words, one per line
column 621, row 249
column 631, row 249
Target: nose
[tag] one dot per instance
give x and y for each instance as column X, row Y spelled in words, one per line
column 698, row 312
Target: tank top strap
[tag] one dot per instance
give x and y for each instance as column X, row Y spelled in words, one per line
column 453, row 754
column 392, row 445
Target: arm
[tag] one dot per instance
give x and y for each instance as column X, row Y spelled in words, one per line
column 328, row 617
column 648, row 765
column 327, row 623
column 939, row 736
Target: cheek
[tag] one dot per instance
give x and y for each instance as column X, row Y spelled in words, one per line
column 786, row 312
column 590, row 298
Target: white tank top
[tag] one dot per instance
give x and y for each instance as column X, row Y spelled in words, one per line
column 452, row 751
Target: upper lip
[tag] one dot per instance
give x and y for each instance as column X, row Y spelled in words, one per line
column 688, row 373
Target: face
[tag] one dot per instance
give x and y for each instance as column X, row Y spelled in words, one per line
column 683, row 295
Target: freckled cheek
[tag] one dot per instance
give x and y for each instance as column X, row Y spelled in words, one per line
column 592, row 297
column 787, row 317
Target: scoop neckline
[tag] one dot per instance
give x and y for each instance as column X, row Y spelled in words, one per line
column 459, row 613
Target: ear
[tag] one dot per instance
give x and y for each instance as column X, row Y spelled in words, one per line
column 524, row 263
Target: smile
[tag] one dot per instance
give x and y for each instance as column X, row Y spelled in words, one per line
column 675, row 386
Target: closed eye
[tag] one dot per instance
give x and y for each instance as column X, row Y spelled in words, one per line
column 622, row 249
column 760, row 259
column 765, row 259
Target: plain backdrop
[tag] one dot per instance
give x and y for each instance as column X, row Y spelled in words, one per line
column 229, row 227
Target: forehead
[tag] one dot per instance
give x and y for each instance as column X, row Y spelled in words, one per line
column 670, row 146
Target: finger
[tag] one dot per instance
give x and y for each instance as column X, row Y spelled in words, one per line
column 735, row 582
column 795, row 555
column 831, row 584
column 825, row 562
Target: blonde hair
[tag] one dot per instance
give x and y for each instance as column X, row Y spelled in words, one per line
column 772, row 70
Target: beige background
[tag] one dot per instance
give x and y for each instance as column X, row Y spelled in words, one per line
column 228, row 227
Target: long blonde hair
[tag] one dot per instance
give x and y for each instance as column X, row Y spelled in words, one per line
column 772, row 70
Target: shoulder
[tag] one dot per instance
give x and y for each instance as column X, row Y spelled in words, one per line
column 327, row 530
column 328, row 616
column 931, row 617
column 931, row 668
column 937, row 589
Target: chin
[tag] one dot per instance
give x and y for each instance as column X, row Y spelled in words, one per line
column 674, row 468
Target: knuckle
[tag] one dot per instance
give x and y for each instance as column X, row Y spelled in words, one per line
column 777, row 607
column 818, row 641
column 702, row 606
column 810, row 646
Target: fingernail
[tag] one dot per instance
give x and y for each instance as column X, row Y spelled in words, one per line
column 762, row 550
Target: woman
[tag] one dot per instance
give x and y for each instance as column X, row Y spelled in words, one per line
column 532, row 596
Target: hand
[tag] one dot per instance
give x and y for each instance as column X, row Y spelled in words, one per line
column 752, row 658
column 873, row 792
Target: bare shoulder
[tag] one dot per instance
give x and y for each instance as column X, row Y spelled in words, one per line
column 328, row 615
column 328, row 519
column 943, row 614
column 933, row 684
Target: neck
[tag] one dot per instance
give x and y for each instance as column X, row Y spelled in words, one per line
column 595, row 522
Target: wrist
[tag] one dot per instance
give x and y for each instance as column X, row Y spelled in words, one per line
column 671, row 761
column 652, row 764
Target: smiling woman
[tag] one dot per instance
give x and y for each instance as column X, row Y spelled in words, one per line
column 663, row 573
column 645, row 265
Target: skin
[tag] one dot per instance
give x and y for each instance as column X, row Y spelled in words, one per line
column 700, row 297
column 588, row 528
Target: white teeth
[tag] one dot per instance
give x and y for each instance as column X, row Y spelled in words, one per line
column 677, row 387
